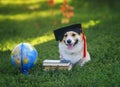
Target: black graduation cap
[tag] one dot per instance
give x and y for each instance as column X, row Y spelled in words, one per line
column 59, row 33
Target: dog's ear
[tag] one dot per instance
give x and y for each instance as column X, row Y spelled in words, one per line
column 59, row 33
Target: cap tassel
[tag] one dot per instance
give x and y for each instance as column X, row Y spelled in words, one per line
column 84, row 48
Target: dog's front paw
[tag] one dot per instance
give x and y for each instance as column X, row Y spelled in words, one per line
column 83, row 61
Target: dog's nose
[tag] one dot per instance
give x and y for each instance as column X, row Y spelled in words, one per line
column 69, row 41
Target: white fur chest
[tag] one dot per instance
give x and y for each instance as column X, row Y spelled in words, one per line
column 73, row 55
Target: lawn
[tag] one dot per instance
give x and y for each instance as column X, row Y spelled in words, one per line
column 31, row 22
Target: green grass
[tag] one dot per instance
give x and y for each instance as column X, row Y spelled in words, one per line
column 101, row 24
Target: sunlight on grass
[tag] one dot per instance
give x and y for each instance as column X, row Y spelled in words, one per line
column 33, row 4
column 21, row 17
column 91, row 23
column 33, row 7
column 5, row 2
column 61, row 1
column 10, row 44
column 41, row 39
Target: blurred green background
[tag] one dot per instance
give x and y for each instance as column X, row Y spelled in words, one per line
column 31, row 21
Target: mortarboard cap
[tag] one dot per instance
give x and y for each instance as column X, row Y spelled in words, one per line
column 59, row 33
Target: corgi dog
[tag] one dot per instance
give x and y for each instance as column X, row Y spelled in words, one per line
column 72, row 44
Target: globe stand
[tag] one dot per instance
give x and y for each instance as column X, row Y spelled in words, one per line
column 24, row 71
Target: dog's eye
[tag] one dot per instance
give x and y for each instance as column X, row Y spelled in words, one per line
column 73, row 35
column 65, row 35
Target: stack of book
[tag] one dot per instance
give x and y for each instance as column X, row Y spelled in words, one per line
column 57, row 64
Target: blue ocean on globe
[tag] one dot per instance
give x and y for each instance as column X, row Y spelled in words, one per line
column 24, row 55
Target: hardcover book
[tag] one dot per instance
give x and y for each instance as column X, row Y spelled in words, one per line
column 57, row 64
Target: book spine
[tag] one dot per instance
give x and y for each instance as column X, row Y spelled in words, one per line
column 55, row 67
column 56, row 64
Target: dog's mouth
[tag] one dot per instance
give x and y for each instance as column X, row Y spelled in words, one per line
column 70, row 45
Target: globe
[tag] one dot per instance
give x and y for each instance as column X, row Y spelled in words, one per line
column 24, row 55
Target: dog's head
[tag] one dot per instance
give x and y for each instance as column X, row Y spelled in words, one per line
column 71, row 39
column 69, row 35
